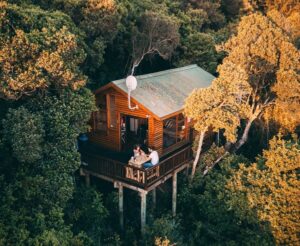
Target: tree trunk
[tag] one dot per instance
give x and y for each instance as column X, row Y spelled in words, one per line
column 245, row 135
column 202, row 133
column 216, row 162
column 235, row 147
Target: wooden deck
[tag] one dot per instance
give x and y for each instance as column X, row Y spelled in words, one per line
column 114, row 170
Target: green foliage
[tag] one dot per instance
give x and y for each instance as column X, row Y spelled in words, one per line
column 198, row 48
column 87, row 213
column 208, row 219
column 47, row 48
column 24, row 131
column 39, row 50
column 165, row 227
column 36, row 192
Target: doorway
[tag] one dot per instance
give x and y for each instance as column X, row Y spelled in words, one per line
column 134, row 130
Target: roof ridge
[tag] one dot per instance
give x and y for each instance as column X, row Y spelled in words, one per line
column 173, row 70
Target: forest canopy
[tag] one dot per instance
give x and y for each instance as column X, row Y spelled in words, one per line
column 244, row 188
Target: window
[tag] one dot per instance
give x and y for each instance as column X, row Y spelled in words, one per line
column 112, row 112
column 100, row 116
column 174, row 130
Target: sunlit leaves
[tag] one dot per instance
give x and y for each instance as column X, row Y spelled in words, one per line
column 271, row 187
column 38, row 59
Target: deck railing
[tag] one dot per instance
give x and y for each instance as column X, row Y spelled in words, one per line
column 131, row 174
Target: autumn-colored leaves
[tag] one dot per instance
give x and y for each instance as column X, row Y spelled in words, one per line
column 38, row 59
column 258, row 79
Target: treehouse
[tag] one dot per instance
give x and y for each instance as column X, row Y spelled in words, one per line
column 155, row 119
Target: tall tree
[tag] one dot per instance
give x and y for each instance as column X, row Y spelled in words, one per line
column 155, row 34
column 269, row 61
column 261, row 63
column 209, row 218
column 46, row 107
column 210, row 110
column 271, row 187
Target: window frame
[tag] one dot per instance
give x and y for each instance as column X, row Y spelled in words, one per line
column 177, row 132
column 100, row 110
column 109, row 112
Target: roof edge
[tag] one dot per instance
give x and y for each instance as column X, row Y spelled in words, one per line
column 173, row 70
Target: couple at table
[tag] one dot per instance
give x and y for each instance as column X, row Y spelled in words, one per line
column 152, row 155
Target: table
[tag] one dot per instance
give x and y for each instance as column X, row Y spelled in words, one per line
column 139, row 161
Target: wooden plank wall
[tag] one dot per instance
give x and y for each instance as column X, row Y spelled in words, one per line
column 156, row 134
column 111, row 139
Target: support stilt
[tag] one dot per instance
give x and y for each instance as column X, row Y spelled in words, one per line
column 121, row 208
column 143, row 211
column 87, row 180
column 174, row 194
column 187, row 170
column 154, row 197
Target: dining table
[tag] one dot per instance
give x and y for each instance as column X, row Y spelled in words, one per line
column 138, row 161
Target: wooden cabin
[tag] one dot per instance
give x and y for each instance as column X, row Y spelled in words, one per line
column 158, row 121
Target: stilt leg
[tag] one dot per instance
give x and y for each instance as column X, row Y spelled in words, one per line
column 174, row 194
column 121, row 209
column 154, row 197
column 87, row 180
column 143, row 211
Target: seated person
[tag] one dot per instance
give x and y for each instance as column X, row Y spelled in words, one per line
column 153, row 157
column 137, row 151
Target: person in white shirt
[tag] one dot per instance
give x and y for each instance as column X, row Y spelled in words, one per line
column 152, row 157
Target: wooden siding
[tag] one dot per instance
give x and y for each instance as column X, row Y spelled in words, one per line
column 111, row 138
column 156, row 134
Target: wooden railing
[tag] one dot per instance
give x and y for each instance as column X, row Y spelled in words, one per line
column 133, row 175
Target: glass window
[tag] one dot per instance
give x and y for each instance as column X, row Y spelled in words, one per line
column 174, row 130
column 100, row 116
column 169, row 132
column 181, row 131
column 112, row 112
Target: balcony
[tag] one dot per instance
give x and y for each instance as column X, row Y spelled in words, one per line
column 113, row 167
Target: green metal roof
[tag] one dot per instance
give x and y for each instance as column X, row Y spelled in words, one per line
column 163, row 93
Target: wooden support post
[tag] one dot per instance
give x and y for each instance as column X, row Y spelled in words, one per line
column 121, row 208
column 154, row 197
column 143, row 211
column 174, row 193
column 187, row 170
column 87, row 180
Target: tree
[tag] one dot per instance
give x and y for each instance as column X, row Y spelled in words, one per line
column 261, row 63
column 86, row 212
column 46, row 56
column 285, row 14
column 209, row 218
column 155, row 34
column 211, row 110
column 199, row 48
column 45, row 109
column 269, row 61
column 271, row 187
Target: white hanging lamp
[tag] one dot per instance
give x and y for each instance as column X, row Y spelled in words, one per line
column 131, row 84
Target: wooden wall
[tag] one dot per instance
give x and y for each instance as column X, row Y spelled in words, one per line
column 155, row 137
column 111, row 139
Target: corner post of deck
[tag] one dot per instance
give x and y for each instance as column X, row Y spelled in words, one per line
column 154, row 197
column 87, row 179
column 174, row 193
column 121, row 206
column 143, row 195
